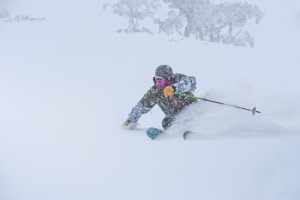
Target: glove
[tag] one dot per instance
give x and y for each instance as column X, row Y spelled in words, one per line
column 169, row 91
column 126, row 123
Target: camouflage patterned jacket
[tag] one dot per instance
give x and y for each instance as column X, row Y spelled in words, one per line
column 170, row 105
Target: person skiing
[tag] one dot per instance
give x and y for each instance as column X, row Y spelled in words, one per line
column 163, row 93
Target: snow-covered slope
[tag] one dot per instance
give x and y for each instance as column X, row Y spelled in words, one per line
column 68, row 83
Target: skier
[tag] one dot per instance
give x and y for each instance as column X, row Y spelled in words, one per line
column 163, row 94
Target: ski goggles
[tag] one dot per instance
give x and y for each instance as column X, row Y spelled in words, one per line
column 162, row 83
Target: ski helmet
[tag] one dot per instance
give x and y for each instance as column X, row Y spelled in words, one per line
column 164, row 72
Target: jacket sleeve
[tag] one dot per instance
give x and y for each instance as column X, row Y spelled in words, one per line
column 144, row 105
column 137, row 112
column 187, row 84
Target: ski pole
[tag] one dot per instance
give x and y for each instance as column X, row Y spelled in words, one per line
column 203, row 99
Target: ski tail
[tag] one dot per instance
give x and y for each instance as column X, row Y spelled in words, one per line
column 186, row 134
column 153, row 133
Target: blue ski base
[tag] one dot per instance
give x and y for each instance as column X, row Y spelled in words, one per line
column 154, row 132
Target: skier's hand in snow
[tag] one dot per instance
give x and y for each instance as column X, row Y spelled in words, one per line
column 169, row 91
column 126, row 123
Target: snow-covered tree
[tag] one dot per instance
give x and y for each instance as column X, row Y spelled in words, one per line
column 236, row 16
column 221, row 23
column 172, row 24
column 189, row 9
column 239, row 39
column 135, row 11
column 209, row 22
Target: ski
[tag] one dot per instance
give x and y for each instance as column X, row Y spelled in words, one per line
column 153, row 133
